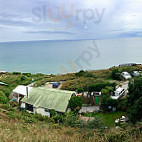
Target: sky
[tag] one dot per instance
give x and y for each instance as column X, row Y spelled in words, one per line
column 28, row 20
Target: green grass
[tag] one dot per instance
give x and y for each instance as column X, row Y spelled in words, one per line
column 108, row 118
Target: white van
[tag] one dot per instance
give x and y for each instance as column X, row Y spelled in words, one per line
column 118, row 93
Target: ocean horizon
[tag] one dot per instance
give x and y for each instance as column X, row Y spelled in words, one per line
column 58, row 57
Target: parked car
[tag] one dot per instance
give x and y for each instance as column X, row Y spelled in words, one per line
column 135, row 73
column 55, row 84
column 126, row 75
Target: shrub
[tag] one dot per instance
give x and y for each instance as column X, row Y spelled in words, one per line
column 135, row 87
column 58, row 118
column 80, row 90
column 27, row 74
column 97, row 123
column 3, row 98
column 69, row 132
column 75, row 103
column 115, row 74
column 116, row 137
column 70, row 119
column 7, row 107
column 12, row 115
column 52, row 113
column 6, row 90
column 98, row 87
column 135, row 113
column 16, row 73
column 22, row 78
column 106, row 101
column 80, row 73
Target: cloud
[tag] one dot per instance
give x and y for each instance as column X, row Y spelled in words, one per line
column 77, row 19
column 50, row 32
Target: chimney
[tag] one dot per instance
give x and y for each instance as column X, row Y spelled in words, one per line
column 27, row 91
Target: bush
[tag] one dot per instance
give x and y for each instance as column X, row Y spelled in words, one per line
column 97, row 123
column 135, row 87
column 98, row 87
column 3, row 98
column 80, row 73
column 12, row 115
column 52, row 113
column 117, row 137
column 123, row 105
column 75, row 103
column 6, row 90
column 80, row 90
column 135, row 113
column 22, row 78
column 70, row 119
column 27, row 74
column 106, row 101
column 16, row 73
column 115, row 74
column 7, row 107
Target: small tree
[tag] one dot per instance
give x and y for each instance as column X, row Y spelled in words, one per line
column 80, row 73
column 80, row 90
column 106, row 101
column 75, row 103
column 115, row 74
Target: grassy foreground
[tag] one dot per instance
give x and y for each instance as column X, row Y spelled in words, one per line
column 15, row 127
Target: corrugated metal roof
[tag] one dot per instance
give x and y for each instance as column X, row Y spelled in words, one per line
column 49, row 98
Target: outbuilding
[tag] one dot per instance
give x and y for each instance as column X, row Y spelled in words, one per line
column 19, row 92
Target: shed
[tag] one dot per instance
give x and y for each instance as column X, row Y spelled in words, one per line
column 20, row 91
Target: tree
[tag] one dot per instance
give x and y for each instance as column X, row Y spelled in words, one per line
column 3, row 98
column 135, row 100
column 107, row 90
column 135, row 90
column 75, row 103
column 115, row 74
column 135, row 113
column 107, row 102
column 80, row 73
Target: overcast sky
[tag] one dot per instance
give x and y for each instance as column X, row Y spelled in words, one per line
column 24, row 20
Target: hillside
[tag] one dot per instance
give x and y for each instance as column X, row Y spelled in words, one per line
column 16, row 127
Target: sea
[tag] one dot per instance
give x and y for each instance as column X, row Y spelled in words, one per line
column 59, row 57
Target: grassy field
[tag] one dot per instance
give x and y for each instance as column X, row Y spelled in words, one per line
column 108, row 118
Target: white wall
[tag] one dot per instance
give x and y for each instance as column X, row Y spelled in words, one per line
column 42, row 112
column 23, row 105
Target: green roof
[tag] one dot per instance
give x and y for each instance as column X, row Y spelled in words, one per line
column 49, row 98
